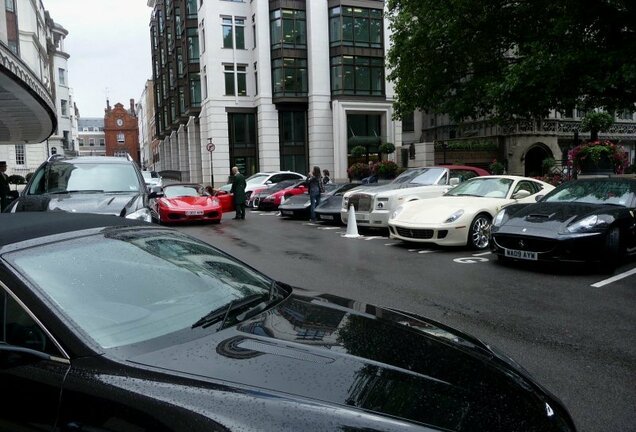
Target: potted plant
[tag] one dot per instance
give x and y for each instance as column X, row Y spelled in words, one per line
column 358, row 171
column 386, row 169
column 496, row 168
column 598, row 157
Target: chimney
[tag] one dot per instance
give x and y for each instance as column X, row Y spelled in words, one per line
column 132, row 107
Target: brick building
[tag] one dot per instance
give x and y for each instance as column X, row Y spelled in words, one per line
column 121, row 130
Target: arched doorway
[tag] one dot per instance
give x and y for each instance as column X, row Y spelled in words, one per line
column 534, row 158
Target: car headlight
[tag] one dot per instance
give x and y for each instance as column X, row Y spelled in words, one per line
column 142, row 215
column 397, row 212
column 166, row 203
column 587, row 224
column 454, row 216
column 500, row 218
column 345, row 202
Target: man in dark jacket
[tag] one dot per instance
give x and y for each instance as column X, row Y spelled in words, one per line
column 238, row 189
column 5, row 189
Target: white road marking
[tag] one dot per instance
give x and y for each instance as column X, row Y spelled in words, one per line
column 328, row 228
column 390, row 244
column 470, row 260
column 372, row 238
column 426, row 251
column 482, row 254
column 615, row 278
column 267, row 214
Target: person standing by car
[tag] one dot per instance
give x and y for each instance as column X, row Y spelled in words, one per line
column 5, row 190
column 238, row 189
column 316, row 187
column 325, row 177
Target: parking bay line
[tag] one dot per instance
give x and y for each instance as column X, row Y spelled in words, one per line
column 614, row 278
column 483, row 253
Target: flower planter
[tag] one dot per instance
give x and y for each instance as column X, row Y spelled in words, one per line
column 603, row 166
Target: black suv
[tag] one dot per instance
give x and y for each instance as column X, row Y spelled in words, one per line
column 90, row 184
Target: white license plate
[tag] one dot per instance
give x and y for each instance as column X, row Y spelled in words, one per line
column 519, row 254
column 287, row 212
column 326, row 217
column 194, row 213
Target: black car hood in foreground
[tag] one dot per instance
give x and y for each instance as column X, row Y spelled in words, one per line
column 553, row 217
column 321, row 349
column 119, row 203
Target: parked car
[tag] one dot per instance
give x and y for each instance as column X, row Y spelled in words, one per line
column 152, row 179
column 374, row 206
column 185, row 202
column 268, row 178
column 587, row 220
column 298, row 206
column 225, row 197
column 89, row 184
column 463, row 215
column 264, row 191
column 329, row 208
column 153, row 330
column 272, row 201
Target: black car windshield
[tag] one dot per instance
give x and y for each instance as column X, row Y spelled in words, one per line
column 183, row 191
column 483, row 187
column 108, row 177
column 420, row 176
column 608, row 191
column 129, row 286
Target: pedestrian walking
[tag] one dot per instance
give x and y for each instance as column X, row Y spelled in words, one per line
column 238, row 189
column 5, row 189
column 316, row 187
column 325, row 177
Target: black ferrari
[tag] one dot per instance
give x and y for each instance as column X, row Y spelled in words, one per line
column 116, row 325
column 581, row 221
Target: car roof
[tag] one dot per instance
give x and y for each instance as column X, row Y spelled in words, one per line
column 18, row 227
column 91, row 159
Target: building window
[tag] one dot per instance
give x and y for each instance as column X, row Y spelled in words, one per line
column 289, row 77
column 254, row 31
column 288, row 29
column 20, row 156
column 102, row 142
column 81, row 142
column 193, row 46
column 64, row 107
column 352, row 26
column 95, row 129
column 120, row 137
column 191, row 9
column 195, row 90
column 625, row 115
column 408, row 122
column 243, row 142
column 9, row 5
column 62, row 75
column 353, row 75
column 91, row 142
column 241, row 80
column 256, row 77
column 204, row 83
column 65, row 140
column 228, row 33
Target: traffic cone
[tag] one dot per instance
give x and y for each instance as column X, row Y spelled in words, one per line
column 282, row 200
column 352, row 225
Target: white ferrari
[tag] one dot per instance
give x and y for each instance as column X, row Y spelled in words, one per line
column 463, row 215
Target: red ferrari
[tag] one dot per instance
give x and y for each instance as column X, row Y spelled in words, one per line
column 185, row 202
column 273, row 200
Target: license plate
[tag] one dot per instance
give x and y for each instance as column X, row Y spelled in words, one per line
column 326, row 217
column 194, row 213
column 519, row 254
column 287, row 212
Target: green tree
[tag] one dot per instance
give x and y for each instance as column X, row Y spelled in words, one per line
column 508, row 59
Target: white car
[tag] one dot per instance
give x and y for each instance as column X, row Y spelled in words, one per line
column 373, row 205
column 463, row 215
column 152, row 179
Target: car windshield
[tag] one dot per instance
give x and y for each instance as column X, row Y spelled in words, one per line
column 183, row 191
column 607, row 191
column 148, row 175
column 420, row 176
column 106, row 177
column 257, row 179
column 280, row 186
column 131, row 286
column 483, row 187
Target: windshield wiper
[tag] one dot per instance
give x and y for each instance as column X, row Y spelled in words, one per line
column 77, row 191
column 222, row 313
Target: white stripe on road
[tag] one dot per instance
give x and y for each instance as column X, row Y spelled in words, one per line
column 328, row 228
column 482, row 254
column 425, row 251
column 372, row 237
column 615, row 278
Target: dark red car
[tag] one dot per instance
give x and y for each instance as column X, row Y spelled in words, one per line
column 273, row 200
column 185, row 202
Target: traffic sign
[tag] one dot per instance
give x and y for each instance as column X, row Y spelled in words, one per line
column 211, row 147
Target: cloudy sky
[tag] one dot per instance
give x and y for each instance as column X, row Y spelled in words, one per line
column 109, row 45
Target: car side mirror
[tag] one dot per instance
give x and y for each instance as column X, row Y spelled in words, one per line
column 268, row 182
column 538, row 197
column 454, row 181
column 521, row 194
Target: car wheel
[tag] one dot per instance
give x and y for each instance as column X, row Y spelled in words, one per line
column 479, row 232
column 612, row 251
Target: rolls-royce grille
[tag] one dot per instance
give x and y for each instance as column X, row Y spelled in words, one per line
column 415, row 233
column 531, row 244
column 361, row 203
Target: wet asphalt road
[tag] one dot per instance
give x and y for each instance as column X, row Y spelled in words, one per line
column 577, row 340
